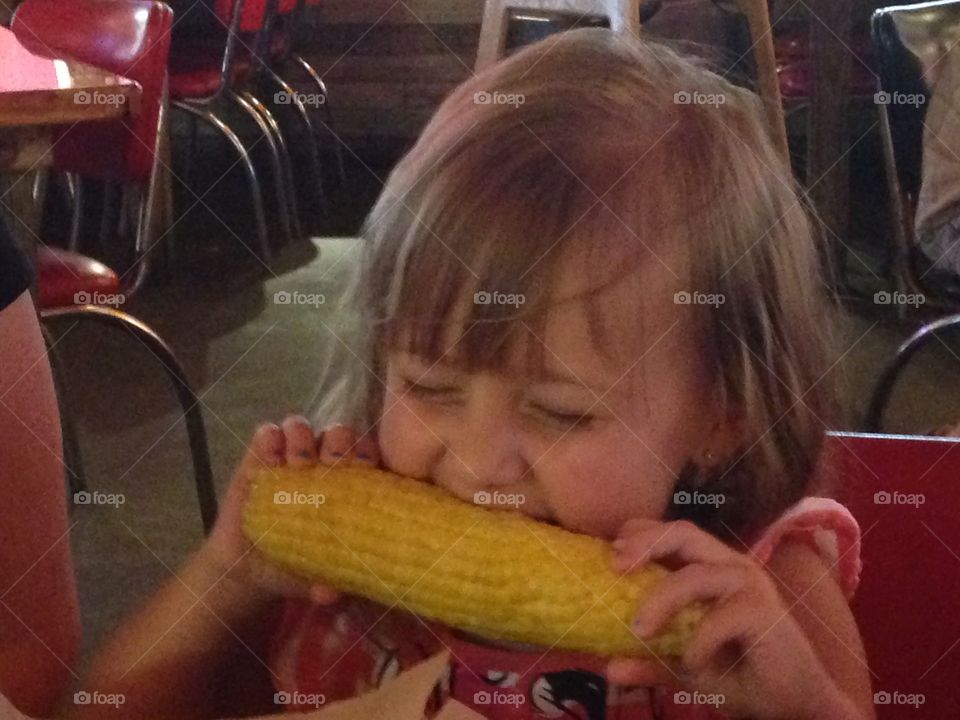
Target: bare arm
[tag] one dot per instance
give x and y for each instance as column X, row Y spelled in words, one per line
column 819, row 607
column 197, row 649
column 174, row 657
column 39, row 616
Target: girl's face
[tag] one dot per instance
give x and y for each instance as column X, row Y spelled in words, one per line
column 589, row 443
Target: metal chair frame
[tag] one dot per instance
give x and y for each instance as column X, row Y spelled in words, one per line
column 186, row 396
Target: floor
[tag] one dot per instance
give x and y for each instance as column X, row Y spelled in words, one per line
column 252, row 359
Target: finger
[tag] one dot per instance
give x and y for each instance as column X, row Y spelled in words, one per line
column 266, row 447
column 723, row 636
column 301, row 450
column 291, row 585
column 337, row 444
column 368, row 451
column 633, row 671
column 692, row 582
column 299, row 588
column 635, row 525
column 680, row 540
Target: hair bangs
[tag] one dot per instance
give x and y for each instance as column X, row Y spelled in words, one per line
column 480, row 260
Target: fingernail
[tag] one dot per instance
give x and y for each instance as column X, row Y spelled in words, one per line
column 619, row 544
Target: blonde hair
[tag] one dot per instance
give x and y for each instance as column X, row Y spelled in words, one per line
column 506, row 176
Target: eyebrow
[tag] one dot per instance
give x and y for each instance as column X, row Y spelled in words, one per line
column 549, row 375
column 543, row 375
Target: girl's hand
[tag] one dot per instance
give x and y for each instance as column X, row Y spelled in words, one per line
column 748, row 651
column 292, row 443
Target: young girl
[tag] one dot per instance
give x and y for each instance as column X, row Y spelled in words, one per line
column 591, row 287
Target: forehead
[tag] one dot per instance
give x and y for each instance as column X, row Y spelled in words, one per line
column 611, row 313
column 615, row 326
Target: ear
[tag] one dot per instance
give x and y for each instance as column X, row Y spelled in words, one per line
column 724, row 437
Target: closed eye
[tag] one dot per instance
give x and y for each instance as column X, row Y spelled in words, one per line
column 426, row 390
column 575, row 420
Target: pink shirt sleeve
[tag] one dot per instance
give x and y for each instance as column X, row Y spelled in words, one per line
column 828, row 528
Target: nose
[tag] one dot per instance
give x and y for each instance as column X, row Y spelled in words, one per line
column 485, row 452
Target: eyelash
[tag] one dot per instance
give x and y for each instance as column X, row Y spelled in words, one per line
column 574, row 420
column 425, row 391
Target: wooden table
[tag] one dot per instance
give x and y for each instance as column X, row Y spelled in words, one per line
column 38, row 93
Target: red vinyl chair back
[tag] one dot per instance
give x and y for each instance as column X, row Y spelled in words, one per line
column 128, row 37
column 252, row 14
column 905, row 493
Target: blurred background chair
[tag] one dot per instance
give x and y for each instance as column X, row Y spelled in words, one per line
column 627, row 16
column 213, row 64
column 301, row 25
column 935, row 334
column 130, row 38
column 908, row 40
column 261, row 48
column 620, row 15
column 903, row 492
column 285, row 101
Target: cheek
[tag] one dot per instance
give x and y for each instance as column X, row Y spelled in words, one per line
column 406, row 444
column 596, row 487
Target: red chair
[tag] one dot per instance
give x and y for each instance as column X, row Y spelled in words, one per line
column 201, row 75
column 131, row 38
column 792, row 50
column 903, row 491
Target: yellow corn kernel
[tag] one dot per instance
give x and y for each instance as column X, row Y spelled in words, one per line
column 495, row 573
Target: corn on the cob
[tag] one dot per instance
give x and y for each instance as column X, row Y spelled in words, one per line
column 497, row 574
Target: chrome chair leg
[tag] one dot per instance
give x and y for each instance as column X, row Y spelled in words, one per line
column 279, row 178
column 76, row 479
column 75, row 183
column 189, row 402
column 256, row 195
column 139, row 265
column 124, row 220
column 107, row 215
column 313, row 148
column 284, row 157
column 338, row 144
column 946, row 327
